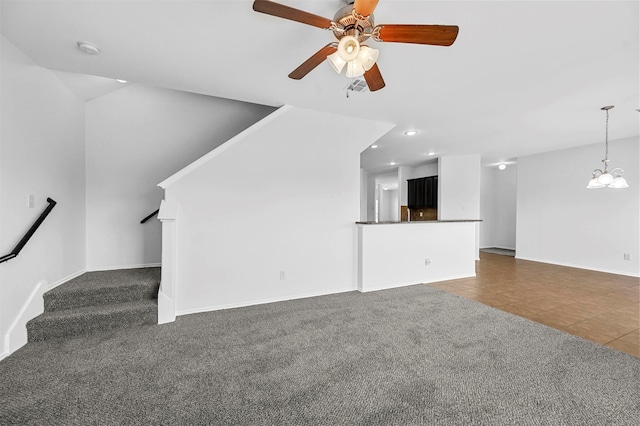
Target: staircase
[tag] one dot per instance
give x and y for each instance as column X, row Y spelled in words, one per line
column 98, row 301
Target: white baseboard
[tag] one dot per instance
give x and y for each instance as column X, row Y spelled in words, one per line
column 16, row 335
column 304, row 296
column 256, row 302
column 65, row 279
column 571, row 265
column 498, row 247
column 3, row 355
column 437, row 280
column 166, row 309
column 113, row 268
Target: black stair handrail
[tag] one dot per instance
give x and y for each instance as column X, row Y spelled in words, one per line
column 150, row 216
column 30, row 232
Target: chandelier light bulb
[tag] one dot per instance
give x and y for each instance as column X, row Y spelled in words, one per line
column 593, row 184
column 619, row 182
column 605, row 179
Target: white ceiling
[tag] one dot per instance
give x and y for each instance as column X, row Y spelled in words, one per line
column 86, row 86
column 522, row 77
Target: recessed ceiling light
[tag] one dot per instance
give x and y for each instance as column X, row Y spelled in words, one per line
column 374, row 146
column 431, row 153
column 392, row 163
column 502, row 166
column 88, row 48
column 411, row 132
column 120, row 80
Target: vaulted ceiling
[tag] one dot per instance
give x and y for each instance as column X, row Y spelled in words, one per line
column 521, row 78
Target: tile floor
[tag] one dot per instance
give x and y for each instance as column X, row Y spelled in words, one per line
column 601, row 307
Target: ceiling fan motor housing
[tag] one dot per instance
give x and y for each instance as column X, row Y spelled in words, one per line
column 349, row 25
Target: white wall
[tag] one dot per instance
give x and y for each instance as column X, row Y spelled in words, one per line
column 389, row 210
column 498, row 207
column 264, row 203
column 560, row 221
column 424, row 170
column 364, row 195
column 136, row 137
column 393, row 255
column 386, row 204
column 404, row 173
column 42, row 153
column 459, row 187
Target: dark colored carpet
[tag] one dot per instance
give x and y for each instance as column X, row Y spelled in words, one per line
column 408, row 356
column 98, row 301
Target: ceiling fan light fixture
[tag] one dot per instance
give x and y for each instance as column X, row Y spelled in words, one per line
column 348, row 48
column 336, row 61
column 354, row 69
column 368, row 56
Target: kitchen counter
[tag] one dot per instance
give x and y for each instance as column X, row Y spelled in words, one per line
column 417, row 221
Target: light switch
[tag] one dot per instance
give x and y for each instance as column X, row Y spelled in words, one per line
column 31, row 201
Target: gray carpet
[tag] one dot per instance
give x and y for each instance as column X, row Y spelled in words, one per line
column 408, row 356
column 98, row 301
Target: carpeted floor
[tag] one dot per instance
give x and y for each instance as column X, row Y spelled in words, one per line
column 408, row 356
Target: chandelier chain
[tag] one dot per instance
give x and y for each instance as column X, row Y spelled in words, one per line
column 606, row 138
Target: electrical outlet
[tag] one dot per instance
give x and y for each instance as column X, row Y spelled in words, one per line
column 427, row 262
column 31, row 201
column 626, row 256
column 283, row 275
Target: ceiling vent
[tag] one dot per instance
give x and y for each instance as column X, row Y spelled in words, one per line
column 358, row 85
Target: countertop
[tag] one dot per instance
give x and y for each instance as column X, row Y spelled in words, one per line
column 418, row 222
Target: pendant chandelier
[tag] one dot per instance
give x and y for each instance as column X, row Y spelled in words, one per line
column 606, row 178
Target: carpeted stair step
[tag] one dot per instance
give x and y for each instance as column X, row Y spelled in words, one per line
column 90, row 319
column 104, row 287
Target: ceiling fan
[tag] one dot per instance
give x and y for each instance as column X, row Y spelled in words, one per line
column 352, row 25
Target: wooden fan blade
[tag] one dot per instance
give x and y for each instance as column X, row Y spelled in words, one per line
column 365, row 7
column 308, row 65
column 438, row 35
column 374, row 78
column 286, row 12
